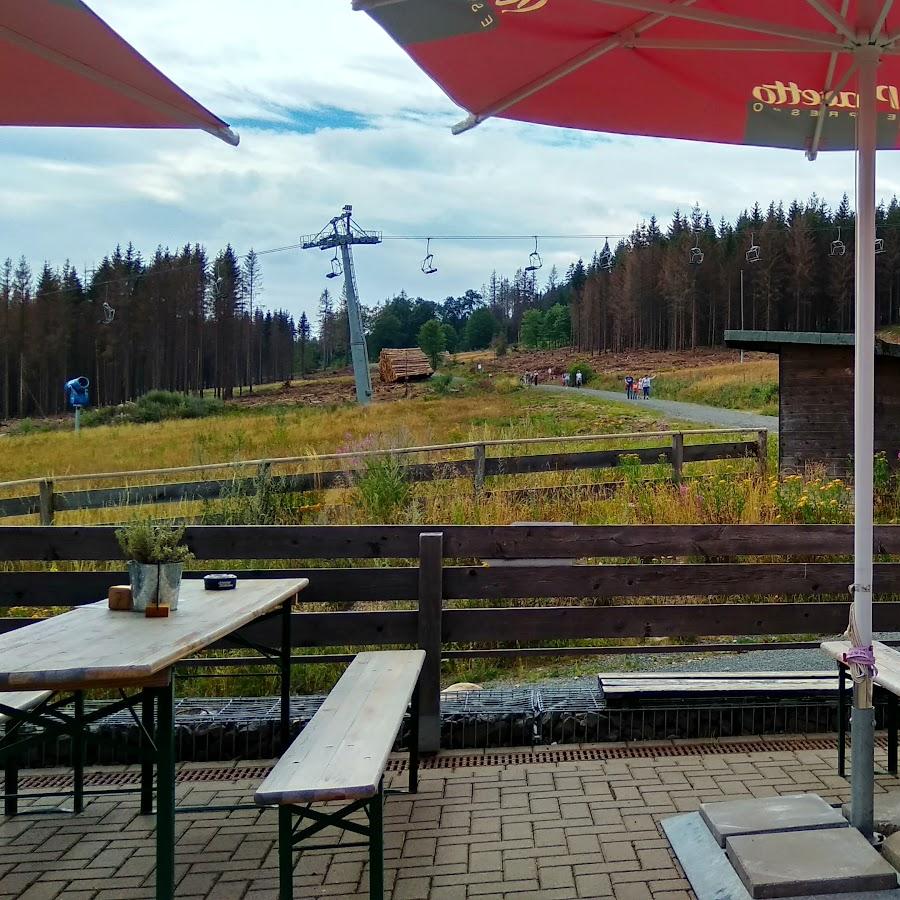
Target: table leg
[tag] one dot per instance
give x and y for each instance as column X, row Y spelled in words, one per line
column 285, row 669
column 842, row 721
column 285, row 853
column 376, row 845
column 10, row 778
column 414, row 742
column 148, row 740
column 78, row 753
column 892, row 733
column 165, row 792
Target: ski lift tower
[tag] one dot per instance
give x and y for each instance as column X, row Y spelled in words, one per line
column 341, row 233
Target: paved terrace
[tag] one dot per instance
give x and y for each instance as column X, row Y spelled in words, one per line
column 565, row 823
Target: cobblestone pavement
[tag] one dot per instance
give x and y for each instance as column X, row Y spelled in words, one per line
column 555, row 830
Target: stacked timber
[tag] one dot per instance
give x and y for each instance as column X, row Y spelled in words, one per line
column 403, row 365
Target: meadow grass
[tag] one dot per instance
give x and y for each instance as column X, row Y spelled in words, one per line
column 752, row 385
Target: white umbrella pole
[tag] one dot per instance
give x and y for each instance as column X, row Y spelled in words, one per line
column 863, row 718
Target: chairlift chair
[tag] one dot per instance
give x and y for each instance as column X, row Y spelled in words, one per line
column 534, row 259
column 109, row 313
column 838, row 247
column 879, row 245
column 428, row 266
column 752, row 255
column 696, row 256
column 605, row 259
column 336, row 268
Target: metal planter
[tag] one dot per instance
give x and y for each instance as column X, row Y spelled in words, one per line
column 155, row 584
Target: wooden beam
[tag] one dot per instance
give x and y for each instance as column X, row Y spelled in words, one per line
column 308, row 542
column 429, row 633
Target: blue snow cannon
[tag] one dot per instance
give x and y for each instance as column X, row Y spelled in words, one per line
column 77, row 392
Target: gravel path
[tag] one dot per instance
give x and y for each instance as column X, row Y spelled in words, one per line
column 688, row 412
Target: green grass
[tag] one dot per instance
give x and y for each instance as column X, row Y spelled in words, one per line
column 751, row 386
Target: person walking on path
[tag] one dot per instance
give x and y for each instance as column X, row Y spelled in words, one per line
column 579, row 378
column 629, row 386
column 645, row 384
column 565, row 379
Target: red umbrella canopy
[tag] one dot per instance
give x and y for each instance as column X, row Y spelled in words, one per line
column 778, row 73
column 62, row 65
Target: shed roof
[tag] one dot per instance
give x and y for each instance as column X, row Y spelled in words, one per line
column 773, row 341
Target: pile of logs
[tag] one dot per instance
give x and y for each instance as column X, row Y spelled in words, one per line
column 403, row 365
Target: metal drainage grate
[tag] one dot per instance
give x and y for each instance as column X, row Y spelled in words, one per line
column 462, row 761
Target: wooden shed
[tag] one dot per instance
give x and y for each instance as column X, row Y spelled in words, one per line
column 815, row 406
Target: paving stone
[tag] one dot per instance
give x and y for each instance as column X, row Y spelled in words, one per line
column 887, row 812
column 800, row 863
column 758, row 816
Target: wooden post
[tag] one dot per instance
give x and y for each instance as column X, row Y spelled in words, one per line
column 431, row 590
column 762, row 440
column 262, row 471
column 46, row 502
column 479, row 468
column 677, row 456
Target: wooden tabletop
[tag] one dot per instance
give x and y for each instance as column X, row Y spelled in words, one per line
column 887, row 661
column 94, row 646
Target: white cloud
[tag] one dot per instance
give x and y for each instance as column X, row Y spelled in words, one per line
column 76, row 194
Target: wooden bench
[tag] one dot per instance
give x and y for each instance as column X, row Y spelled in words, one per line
column 887, row 661
column 697, row 685
column 341, row 755
column 19, row 701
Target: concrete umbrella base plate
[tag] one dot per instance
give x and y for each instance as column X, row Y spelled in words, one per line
column 713, row 877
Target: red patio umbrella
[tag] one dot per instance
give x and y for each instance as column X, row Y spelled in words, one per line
column 62, row 65
column 807, row 74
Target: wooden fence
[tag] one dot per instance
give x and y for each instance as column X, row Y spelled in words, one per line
column 621, row 586
column 50, row 499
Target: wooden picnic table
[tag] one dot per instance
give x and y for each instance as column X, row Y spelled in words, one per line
column 95, row 647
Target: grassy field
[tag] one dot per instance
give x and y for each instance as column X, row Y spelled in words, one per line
column 497, row 409
column 751, row 386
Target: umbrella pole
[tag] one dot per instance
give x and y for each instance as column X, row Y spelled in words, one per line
column 863, row 717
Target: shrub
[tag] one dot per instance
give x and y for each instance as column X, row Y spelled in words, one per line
column 587, row 373
column 250, row 501
column 382, row 488
column 155, row 406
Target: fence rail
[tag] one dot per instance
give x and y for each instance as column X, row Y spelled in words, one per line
column 50, row 500
column 614, row 578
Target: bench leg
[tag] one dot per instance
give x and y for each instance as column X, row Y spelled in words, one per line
column 892, row 733
column 842, row 721
column 414, row 742
column 285, row 853
column 376, row 845
column 10, row 781
column 148, row 741
column 78, row 754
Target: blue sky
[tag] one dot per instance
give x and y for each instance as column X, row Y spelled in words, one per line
column 331, row 112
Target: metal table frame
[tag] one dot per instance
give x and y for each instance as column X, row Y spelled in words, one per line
column 842, row 724
column 156, row 724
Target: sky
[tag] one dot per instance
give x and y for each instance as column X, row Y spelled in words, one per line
column 330, row 111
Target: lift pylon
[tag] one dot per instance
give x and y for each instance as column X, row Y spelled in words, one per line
column 340, row 234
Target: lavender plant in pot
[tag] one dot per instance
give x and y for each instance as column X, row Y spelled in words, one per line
column 156, row 556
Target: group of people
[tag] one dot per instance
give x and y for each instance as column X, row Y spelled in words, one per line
column 531, row 378
column 569, row 381
column 641, row 387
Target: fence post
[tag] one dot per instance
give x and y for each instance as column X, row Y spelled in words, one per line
column 479, row 468
column 677, row 456
column 762, row 452
column 431, row 590
column 46, row 501
column 262, row 471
